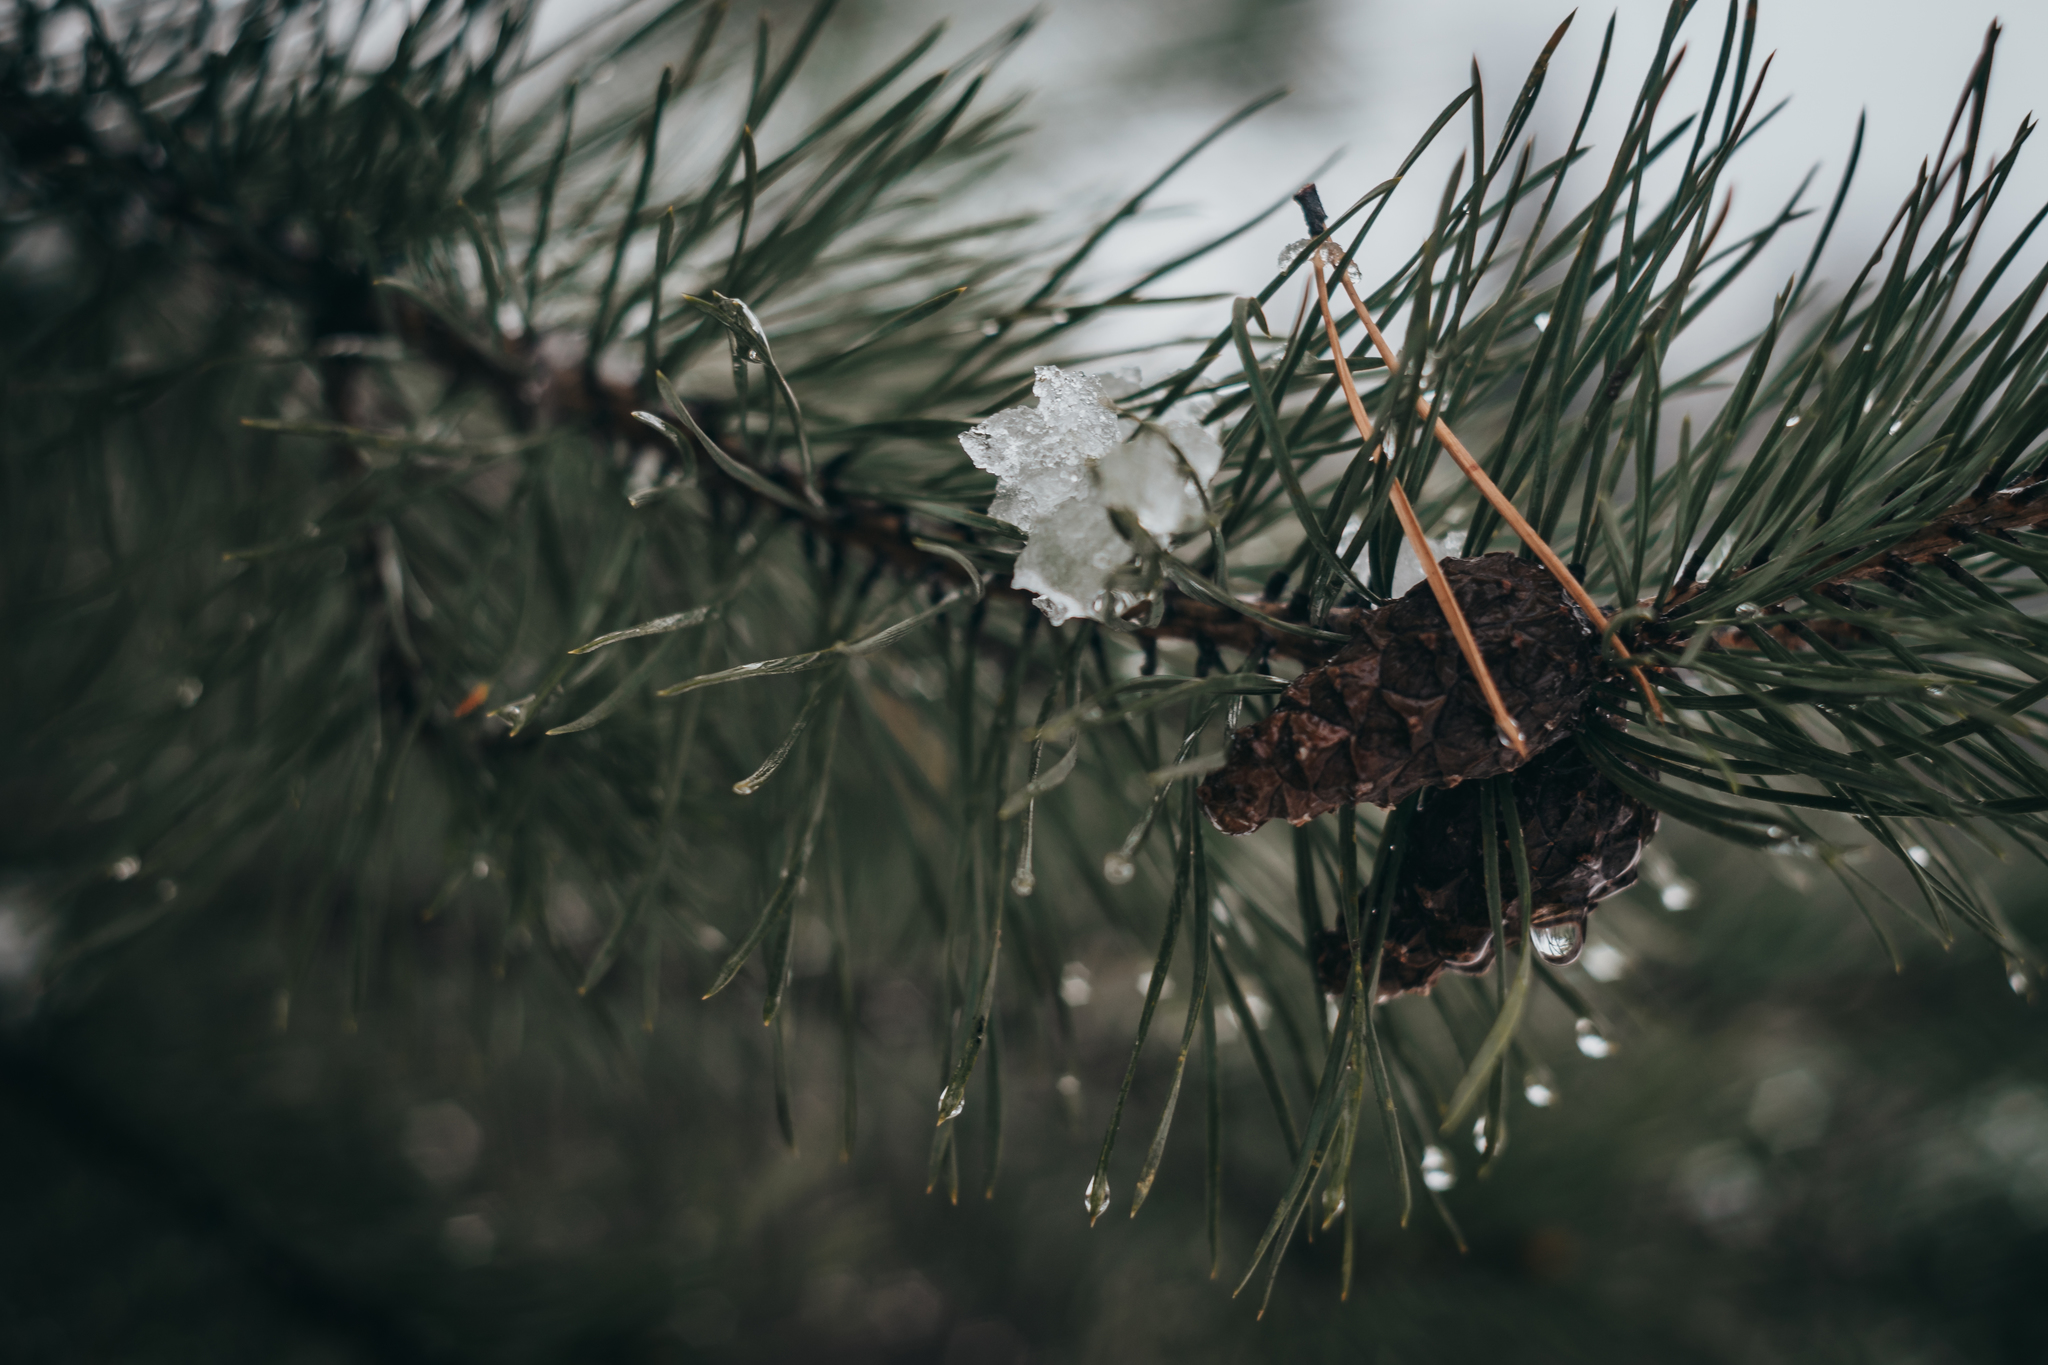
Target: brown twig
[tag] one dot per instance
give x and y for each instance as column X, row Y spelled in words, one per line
column 1501, row 504
column 1411, row 527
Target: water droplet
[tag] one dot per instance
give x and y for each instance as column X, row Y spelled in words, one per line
column 2017, row 979
column 1479, row 1134
column 1776, row 832
column 1096, row 1197
column 1541, row 321
column 1936, row 693
column 1793, row 420
column 1591, row 1041
column 167, row 890
column 1059, row 317
column 1025, row 882
column 951, row 1102
column 190, row 690
column 1117, row 869
column 1539, row 1094
column 1867, row 347
column 1918, row 855
column 1605, row 962
column 121, row 869
column 1559, row 943
column 1068, row 1085
column 991, row 327
column 1437, row 1172
column 1748, row 609
column 1868, row 404
column 1507, row 741
column 1677, row 896
column 1893, row 430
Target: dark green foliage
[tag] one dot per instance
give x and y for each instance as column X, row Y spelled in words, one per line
column 429, row 461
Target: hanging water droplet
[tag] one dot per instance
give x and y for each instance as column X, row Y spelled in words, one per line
column 121, row 869
column 1893, row 430
column 1059, row 317
column 1437, row 1171
column 1677, row 896
column 1068, row 1085
column 1793, row 420
column 1117, row 868
column 1919, row 855
column 1868, row 404
column 480, row 868
column 1541, row 321
column 1748, row 609
column 1096, row 1197
column 1479, row 1134
column 1559, row 944
column 2017, row 979
column 1591, row 1041
column 991, row 327
column 1025, row 882
column 951, row 1102
column 1867, row 347
column 1936, row 693
column 1539, row 1094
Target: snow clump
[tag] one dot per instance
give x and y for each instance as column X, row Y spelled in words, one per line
column 1062, row 465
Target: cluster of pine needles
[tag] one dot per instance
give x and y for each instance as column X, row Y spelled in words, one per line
column 424, row 447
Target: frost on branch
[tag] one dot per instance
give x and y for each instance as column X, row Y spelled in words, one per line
column 1062, row 465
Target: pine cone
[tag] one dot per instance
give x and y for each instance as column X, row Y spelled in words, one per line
column 1584, row 835
column 1397, row 710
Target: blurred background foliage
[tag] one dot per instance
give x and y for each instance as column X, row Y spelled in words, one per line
column 255, row 1110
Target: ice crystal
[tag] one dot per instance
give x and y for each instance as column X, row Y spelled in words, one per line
column 1330, row 254
column 1062, row 465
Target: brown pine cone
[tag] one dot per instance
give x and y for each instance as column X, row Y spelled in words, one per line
column 1397, row 710
column 1584, row 835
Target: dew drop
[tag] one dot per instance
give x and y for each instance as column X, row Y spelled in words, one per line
column 1677, row 896
column 1437, row 1172
column 1893, row 430
column 189, row 692
column 121, row 869
column 1918, row 855
column 1793, row 420
column 1117, row 869
column 1936, row 693
column 1541, row 321
column 1025, row 882
column 166, row 890
column 1479, row 1135
column 1591, row 1041
column 2017, row 979
column 991, row 327
column 1068, row 1085
column 1539, row 1094
column 1059, row 317
column 1095, row 1198
column 1560, row 943
column 481, row 868
column 952, row 1102
column 1748, row 609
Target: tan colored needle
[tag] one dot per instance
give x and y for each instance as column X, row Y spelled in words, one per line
column 1491, row 492
column 1411, row 526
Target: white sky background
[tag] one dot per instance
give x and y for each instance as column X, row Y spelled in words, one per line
column 1121, row 86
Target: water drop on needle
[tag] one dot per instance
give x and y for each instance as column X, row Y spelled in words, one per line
column 1591, row 1041
column 1559, row 944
